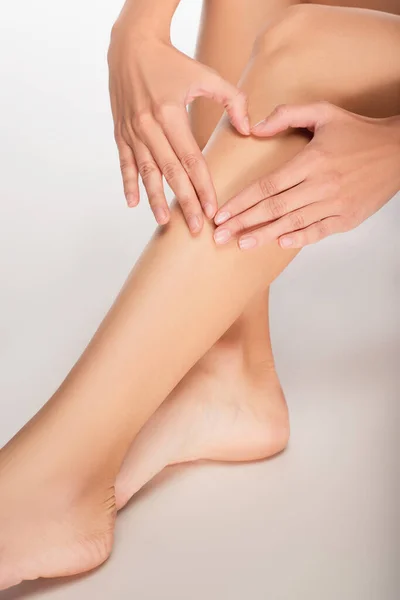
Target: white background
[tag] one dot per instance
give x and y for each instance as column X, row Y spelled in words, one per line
column 317, row 522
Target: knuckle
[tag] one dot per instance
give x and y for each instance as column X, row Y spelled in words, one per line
column 147, row 169
column 297, row 221
column 275, row 207
column 186, row 204
column 124, row 164
column 170, row 171
column 322, row 230
column 202, row 193
column 267, row 187
column 280, row 110
column 190, row 161
column 164, row 111
column 156, row 200
column 238, row 98
column 239, row 223
column 141, row 120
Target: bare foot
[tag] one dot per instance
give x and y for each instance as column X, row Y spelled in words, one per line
column 54, row 523
column 50, row 527
column 224, row 409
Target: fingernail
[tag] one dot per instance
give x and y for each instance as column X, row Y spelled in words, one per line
column 286, row 242
column 221, row 236
column 248, row 242
column 257, row 125
column 161, row 215
column 131, row 199
column 209, row 210
column 247, row 125
column 221, row 218
column 194, row 224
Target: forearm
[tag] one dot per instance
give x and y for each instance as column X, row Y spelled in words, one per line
column 148, row 16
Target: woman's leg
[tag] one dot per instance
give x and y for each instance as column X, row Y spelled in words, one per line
column 181, row 297
column 231, row 401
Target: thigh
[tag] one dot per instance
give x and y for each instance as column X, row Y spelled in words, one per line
column 226, row 38
column 227, row 33
column 346, row 56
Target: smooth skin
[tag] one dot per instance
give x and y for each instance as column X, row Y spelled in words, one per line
column 237, row 376
column 66, row 524
column 151, row 83
column 227, row 34
column 349, row 170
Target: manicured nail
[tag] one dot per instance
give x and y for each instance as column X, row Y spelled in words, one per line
column 248, row 242
column 209, row 210
column 286, row 242
column 221, row 236
column 222, row 217
column 161, row 215
column 194, row 224
column 132, row 199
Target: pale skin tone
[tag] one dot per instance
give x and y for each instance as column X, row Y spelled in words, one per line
column 219, row 49
column 226, row 40
column 151, row 83
column 67, row 525
column 345, row 175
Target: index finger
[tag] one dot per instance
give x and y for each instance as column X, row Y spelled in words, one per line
column 289, row 175
column 177, row 129
column 129, row 172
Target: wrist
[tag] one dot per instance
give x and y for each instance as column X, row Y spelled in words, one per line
column 145, row 20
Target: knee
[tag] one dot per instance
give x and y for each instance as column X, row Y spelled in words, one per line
column 291, row 31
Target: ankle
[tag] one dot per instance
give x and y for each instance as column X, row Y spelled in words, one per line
column 251, row 357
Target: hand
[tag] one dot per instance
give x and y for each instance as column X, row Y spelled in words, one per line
column 347, row 172
column 151, row 83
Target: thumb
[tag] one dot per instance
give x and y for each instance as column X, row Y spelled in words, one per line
column 234, row 100
column 304, row 116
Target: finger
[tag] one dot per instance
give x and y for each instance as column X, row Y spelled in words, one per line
column 297, row 239
column 305, row 116
column 175, row 124
column 294, row 172
column 175, row 175
column 297, row 220
column 234, row 101
column 285, row 206
column 129, row 173
column 152, row 181
column 312, row 234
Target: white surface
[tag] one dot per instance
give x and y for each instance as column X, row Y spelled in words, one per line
column 319, row 521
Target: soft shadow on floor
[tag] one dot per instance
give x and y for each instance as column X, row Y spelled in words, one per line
column 39, row 587
column 169, row 476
